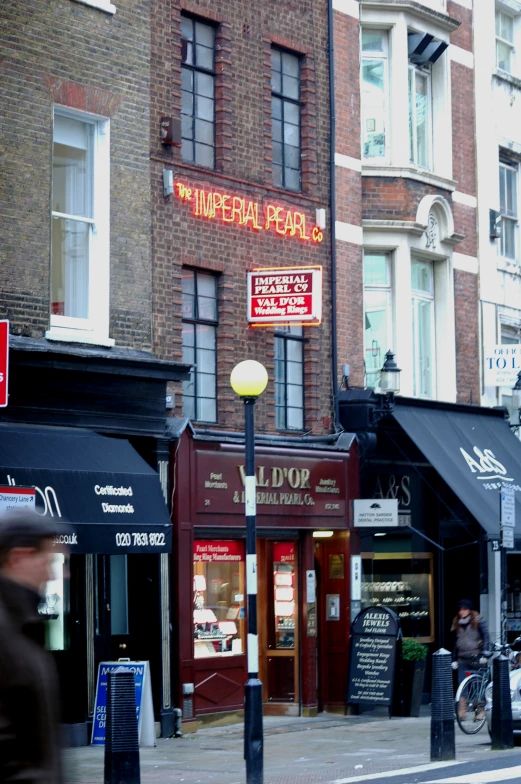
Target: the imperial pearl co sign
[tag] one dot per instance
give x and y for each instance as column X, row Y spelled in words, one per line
column 285, row 295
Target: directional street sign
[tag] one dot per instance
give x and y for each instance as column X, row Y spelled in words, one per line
column 507, row 538
column 508, row 507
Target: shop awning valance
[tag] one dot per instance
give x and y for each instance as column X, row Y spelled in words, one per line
column 109, row 495
column 475, row 453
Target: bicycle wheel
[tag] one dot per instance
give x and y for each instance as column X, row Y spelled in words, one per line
column 470, row 705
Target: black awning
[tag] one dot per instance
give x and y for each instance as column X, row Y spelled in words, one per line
column 475, row 453
column 109, row 495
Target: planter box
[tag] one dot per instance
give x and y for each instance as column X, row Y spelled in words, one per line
column 413, row 679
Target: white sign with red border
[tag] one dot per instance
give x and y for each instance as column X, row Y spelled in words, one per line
column 12, row 498
column 285, row 295
column 4, row 361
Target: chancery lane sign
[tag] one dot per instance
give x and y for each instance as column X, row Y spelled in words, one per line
column 285, row 485
column 372, row 662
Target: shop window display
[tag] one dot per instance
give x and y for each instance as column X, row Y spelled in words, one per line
column 54, row 607
column 284, row 594
column 404, row 584
column 219, row 598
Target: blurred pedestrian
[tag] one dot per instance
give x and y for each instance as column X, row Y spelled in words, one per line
column 30, row 748
column 471, row 640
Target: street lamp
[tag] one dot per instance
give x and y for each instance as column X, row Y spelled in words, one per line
column 389, row 386
column 249, row 380
column 390, row 375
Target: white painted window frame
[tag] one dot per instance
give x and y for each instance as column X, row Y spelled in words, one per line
column 384, row 56
column 510, row 218
column 387, row 289
column 423, row 72
column 510, row 44
column 399, row 23
column 418, row 296
column 95, row 328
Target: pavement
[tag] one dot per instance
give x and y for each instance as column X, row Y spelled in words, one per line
column 324, row 750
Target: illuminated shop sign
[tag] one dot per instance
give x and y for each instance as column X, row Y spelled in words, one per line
column 285, row 486
column 230, row 208
column 283, row 295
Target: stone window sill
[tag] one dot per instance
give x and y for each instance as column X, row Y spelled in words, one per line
column 504, row 76
column 101, row 5
column 508, row 265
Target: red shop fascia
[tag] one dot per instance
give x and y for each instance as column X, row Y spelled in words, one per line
column 302, row 631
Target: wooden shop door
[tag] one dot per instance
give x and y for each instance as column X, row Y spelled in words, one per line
column 278, row 626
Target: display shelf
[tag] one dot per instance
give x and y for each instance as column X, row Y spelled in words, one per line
column 403, row 584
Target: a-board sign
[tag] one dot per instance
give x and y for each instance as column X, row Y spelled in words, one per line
column 374, row 635
column 144, row 705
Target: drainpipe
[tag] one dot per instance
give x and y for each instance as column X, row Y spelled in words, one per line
column 332, row 202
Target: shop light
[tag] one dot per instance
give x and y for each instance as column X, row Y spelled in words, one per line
column 380, row 534
column 390, row 375
column 322, row 534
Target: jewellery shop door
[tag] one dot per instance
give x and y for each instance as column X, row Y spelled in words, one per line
column 278, row 627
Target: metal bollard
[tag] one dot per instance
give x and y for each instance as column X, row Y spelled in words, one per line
column 121, row 736
column 443, row 743
column 501, row 731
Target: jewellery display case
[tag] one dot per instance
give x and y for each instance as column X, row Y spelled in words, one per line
column 218, row 599
column 402, row 582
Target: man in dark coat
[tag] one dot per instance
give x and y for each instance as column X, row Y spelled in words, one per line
column 30, row 750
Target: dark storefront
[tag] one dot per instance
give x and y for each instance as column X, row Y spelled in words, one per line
column 302, row 495
column 445, row 465
column 86, row 428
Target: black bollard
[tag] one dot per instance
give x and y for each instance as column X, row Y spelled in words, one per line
column 253, row 733
column 121, row 735
column 443, row 743
column 501, row 731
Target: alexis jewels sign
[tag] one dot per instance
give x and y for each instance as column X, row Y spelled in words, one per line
column 285, row 295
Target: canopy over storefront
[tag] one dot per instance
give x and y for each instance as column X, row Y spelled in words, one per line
column 110, row 497
column 475, row 453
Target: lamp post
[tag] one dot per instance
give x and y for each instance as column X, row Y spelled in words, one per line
column 249, row 380
column 389, row 386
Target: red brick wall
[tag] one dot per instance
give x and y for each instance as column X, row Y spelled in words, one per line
column 83, row 58
column 243, row 169
column 467, row 336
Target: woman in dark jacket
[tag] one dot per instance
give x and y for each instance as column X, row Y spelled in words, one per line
column 470, row 640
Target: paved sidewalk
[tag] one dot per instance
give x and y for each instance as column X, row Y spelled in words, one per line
column 296, row 751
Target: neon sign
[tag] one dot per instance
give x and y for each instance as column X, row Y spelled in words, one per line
column 228, row 208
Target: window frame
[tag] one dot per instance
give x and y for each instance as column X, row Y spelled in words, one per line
column 512, row 166
column 95, row 327
column 384, row 56
column 295, row 102
column 198, row 69
column 499, row 39
column 283, row 336
column 386, row 288
column 196, row 321
column 413, row 139
column 417, row 296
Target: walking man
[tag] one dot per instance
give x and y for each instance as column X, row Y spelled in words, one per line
column 30, row 750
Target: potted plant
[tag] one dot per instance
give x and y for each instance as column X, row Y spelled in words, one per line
column 414, row 655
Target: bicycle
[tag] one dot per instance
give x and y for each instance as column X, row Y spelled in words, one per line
column 470, row 700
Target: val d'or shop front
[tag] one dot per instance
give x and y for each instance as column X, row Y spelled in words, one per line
column 303, row 579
